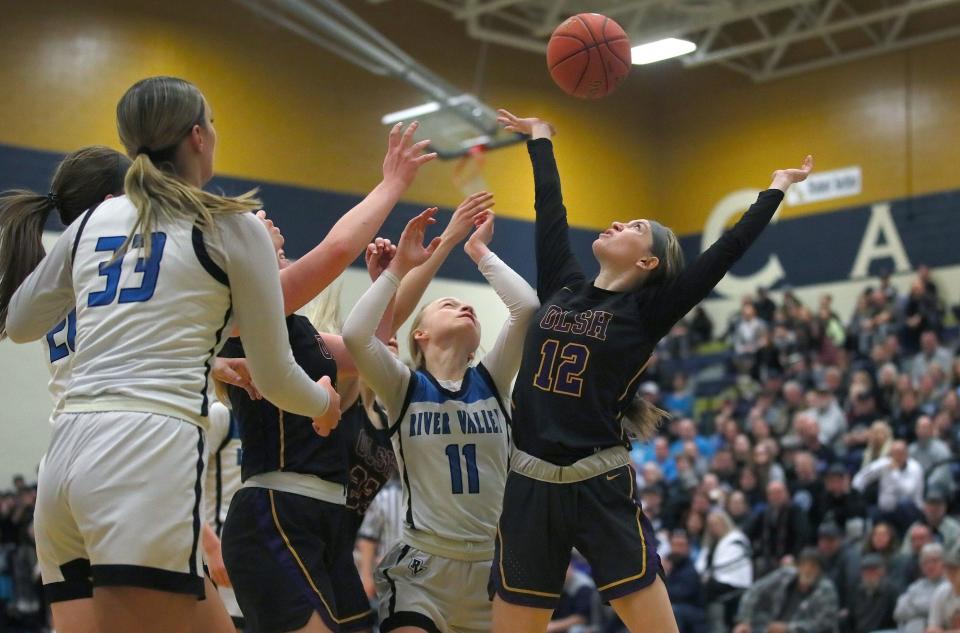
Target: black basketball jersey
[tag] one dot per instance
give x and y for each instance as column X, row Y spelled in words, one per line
column 279, row 440
column 586, row 350
column 370, row 459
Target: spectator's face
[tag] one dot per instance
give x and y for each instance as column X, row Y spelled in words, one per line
column 932, row 567
column 749, row 312
column 680, row 546
column 808, row 573
column 872, row 576
column 651, row 474
column 934, row 511
column 777, row 495
column 736, row 507
column 748, row 479
column 710, row 483
column 793, row 394
column 898, row 453
column 723, row 462
column 690, row 450
column 700, row 504
column 928, row 341
column 651, row 504
column 760, row 429
column 686, row 430
column 828, row 545
column 19, row 483
column 881, row 538
column 679, row 382
column 694, row 524
column 761, row 457
column 924, row 428
column 805, row 466
column 661, row 449
column 837, row 484
column 878, row 434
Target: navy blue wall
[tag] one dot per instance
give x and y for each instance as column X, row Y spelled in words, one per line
column 813, row 249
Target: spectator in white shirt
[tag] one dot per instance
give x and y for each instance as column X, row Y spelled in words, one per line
column 746, row 337
column 901, row 485
column 830, row 417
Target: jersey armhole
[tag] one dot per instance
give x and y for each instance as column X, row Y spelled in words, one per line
column 487, row 378
column 200, row 248
column 76, row 238
column 414, row 381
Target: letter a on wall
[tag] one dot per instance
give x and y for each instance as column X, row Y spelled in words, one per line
column 881, row 223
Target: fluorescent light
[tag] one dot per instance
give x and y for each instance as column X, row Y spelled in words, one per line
column 483, row 139
column 410, row 113
column 660, row 50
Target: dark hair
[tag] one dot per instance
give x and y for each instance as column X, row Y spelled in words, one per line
column 82, row 180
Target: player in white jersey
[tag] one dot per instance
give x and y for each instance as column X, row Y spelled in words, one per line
column 449, row 430
column 83, row 180
column 148, row 325
column 223, row 481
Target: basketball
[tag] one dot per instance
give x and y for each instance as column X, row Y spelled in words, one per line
column 588, row 55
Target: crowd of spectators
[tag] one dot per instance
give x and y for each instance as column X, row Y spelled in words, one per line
column 812, row 486
column 22, row 609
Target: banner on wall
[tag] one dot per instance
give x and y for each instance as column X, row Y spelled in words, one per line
column 827, row 185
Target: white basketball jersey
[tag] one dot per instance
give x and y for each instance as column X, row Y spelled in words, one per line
column 58, row 347
column 146, row 330
column 453, row 452
column 223, row 466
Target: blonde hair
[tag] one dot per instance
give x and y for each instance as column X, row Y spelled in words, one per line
column 672, row 262
column 416, row 354
column 153, row 117
column 324, row 310
column 641, row 419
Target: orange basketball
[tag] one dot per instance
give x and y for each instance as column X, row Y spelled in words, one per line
column 588, row 55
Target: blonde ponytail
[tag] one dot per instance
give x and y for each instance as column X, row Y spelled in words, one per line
column 642, row 419
column 153, row 118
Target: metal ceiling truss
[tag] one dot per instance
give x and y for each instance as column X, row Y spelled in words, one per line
column 763, row 39
column 461, row 121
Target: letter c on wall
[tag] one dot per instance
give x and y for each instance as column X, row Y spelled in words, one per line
column 732, row 205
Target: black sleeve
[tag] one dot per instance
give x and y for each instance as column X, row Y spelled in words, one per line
column 556, row 265
column 677, row 298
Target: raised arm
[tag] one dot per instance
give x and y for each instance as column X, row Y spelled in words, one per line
column 379, row 368
column 693, row 285
column 45, row 296
column 250, row 263
column 556, row 265
column 503, row 360
column 308, row 276
column 416, row 282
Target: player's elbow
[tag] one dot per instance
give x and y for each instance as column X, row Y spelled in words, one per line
column 17, row 331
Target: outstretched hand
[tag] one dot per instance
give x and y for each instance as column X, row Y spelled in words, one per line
column 404, row 157
column 477, row 246
column 378, row 256
column 531, row 126
column 465, row 217
column 410, row 249
column 783, row 178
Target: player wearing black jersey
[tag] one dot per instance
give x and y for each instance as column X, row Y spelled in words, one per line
column 571, row 484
